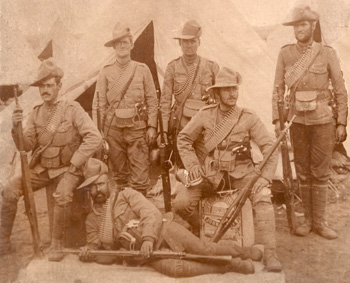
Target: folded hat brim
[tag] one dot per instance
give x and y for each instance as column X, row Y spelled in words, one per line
column 89, row 181
column 222, row 85
column 38, row 82
column 185, row 37
column 292, row 23
column 111, row 42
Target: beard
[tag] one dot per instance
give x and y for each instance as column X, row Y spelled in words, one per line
column 100, row 198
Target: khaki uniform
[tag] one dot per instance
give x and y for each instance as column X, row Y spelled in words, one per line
column 123, row 129
column 129, row 205
column 235, row 172
column 75, row 141
column 176, row 75
column 313, row 132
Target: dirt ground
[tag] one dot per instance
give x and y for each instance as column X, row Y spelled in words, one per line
column 309, row 259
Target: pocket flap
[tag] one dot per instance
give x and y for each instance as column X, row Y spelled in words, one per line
column 125, row 113
column 306, row 95
column 51, row 152
column 224, row 156
column 318, row 68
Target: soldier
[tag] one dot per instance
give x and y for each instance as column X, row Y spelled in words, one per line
column 128, row 103
column 62, row 137
column 186, row 79
column 120, row 216
column 307, row 68
column 224, row 128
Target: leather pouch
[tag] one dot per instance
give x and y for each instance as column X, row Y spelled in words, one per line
column 226, row 160
column 124, row 117
column 306, row 100
column 50, row 157
column 192, row 106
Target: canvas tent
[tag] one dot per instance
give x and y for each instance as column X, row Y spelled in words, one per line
column 227, row 39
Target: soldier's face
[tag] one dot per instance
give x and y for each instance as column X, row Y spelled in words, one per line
column 228, row 96
column 303, row 31
column 99, row 190
column 49, row 90
column 189, row 46
column 123, row 47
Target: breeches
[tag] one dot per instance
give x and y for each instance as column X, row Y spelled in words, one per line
column 63, row 193
column 313, row 147
column 129, row 157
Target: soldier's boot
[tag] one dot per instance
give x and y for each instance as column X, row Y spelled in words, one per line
column 252, row 253
column 264, row 228
column 8, row 215
column 319, row 201
column 62, row 215
column 305, row 194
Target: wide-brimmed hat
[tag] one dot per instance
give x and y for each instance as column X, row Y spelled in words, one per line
column 48, row 69
column 191, row 29
column 120, row 30
column 226, row 78
column 302, row 13
column 93, row 169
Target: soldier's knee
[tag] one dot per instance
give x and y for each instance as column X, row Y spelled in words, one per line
column 12, row 191
column 264, row 196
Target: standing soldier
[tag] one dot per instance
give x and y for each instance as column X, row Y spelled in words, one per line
column 128, row 103
column 186, row 79
column 62, row 137
column 307, row 68
column 226, row 131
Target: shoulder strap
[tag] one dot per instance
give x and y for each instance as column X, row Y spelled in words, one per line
column 221, row 130
column 295, row 73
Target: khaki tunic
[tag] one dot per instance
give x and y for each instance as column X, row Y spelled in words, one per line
column 325, row 68
column 141, row 89
column 176, row 75
column 249, row 125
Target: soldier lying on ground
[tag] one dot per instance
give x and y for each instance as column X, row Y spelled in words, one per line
column 107, row 227
column 62, row 137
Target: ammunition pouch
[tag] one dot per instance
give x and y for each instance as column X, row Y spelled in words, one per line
column 225, row 160
column 129, row 117
column 305, row 100
column 192, row 106
column 50, row 157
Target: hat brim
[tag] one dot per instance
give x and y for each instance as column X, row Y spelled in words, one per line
column 185, row 37
column 222, row 85
column 111, row 42
column 293, row 23
column 39, row 82
column 89, row 181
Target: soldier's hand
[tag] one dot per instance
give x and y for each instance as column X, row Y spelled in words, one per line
column 277, row 129
column 17, row 115
column 259, row 185
column 340, row 134
column 146, row 248
column 85, row 254
column 151, row 135
column 195, row 173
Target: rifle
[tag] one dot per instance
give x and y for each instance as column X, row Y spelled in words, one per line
column 164, row 162
column 29, row 201
column 289, row 187
column 216, row 259
column 103, row 153
column 235, row 208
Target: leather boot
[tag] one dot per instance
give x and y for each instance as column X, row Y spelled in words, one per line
column 8, row 215
column 272, row 263
column 305, row 194
column 62, row 215
column 252, row 253
column 319, row 200
column 242, row 266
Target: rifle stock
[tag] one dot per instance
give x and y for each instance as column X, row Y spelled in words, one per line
column 28, row 190
column 217, row 259
column 288, row 183
column 235, row 208
column 164, row 164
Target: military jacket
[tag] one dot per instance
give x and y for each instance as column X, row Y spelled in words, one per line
column 324, row 69
column 141, row 89
column 248, row 126
column 76, row 136
column 176, row 75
